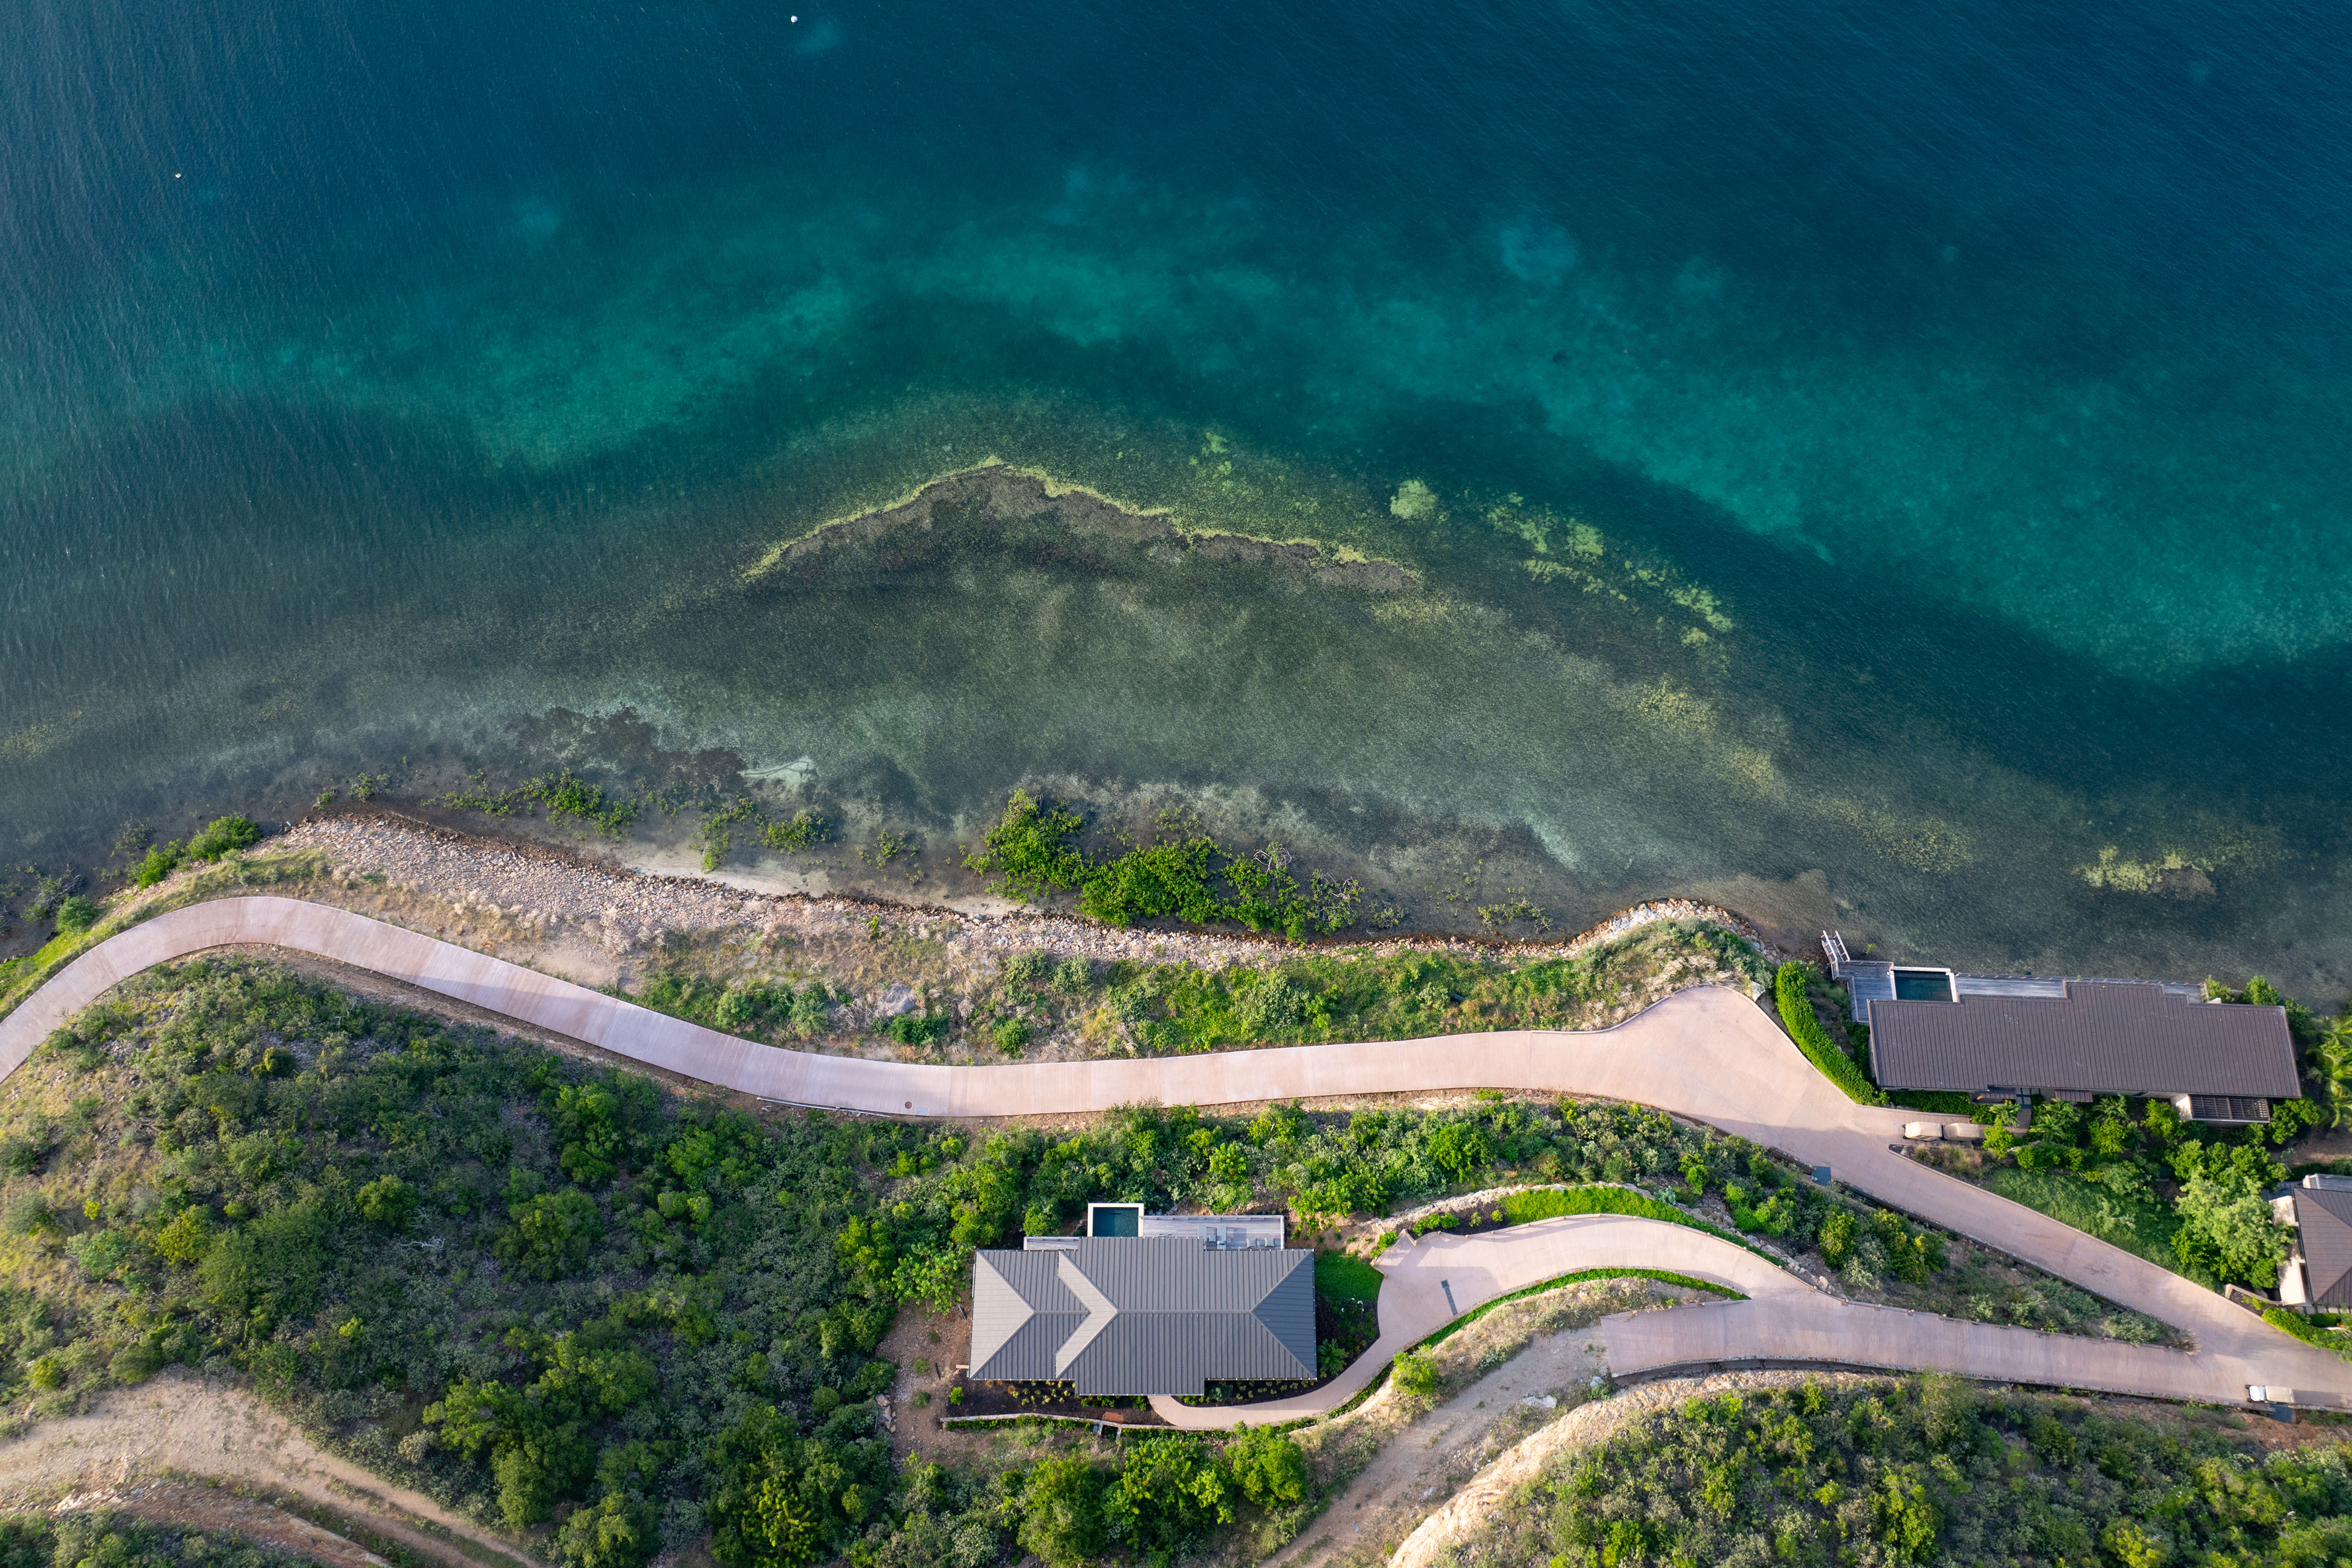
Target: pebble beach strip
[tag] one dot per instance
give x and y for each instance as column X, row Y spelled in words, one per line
column 626, row 911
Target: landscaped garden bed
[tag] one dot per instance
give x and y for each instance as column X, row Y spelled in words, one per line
column 968, row 1398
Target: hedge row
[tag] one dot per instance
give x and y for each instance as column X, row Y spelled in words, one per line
column 1790, row 989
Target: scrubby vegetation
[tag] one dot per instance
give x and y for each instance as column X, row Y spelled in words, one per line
column 566, row 1300
column 1928, row 1469
column 220, row 837
column 1174, row 1009
column 121, row 1540
column 561, row 1299
column 612, row 1318
column 1077, row 1006
column 769, row 1011
column 1181, row 873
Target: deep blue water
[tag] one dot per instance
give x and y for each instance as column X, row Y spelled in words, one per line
column 377, row 378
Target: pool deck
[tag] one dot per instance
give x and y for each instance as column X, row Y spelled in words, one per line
column 1869, row 980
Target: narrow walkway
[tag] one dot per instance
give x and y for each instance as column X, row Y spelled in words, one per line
column 1708, row 1054
column 1432, row 1281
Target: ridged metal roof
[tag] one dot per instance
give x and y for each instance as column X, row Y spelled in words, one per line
column 1143, row 1315
column 2325, row 1218
column 2103, row 1036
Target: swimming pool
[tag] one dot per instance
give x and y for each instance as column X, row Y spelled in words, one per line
column 1923, row 985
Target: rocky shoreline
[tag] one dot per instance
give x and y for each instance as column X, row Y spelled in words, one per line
column 624, row 911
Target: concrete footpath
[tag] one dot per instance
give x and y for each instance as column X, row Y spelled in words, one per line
column 1708, row 1054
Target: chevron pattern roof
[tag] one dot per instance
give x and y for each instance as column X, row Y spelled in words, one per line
column 1143, row 1315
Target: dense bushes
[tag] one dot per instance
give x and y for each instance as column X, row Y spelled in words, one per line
column 1159, row 1503
column 582, row 1279
column 1792, row 989
column 1928, row 1469
column 623, row 1315
column 1185, row 875
column 763, row 1011
column 2151, row 1184
column 121, row 1540
column 222, row 835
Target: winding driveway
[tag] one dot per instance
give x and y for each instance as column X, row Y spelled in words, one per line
column 1708, row 1054
column 1432, row 1281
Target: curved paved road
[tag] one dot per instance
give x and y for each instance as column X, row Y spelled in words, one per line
column 1708, row 1054
column 1433, row 1281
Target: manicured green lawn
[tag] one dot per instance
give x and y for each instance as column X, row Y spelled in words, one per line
column 1344, row 1277
column 1522, row 1207
column 2132, row 1224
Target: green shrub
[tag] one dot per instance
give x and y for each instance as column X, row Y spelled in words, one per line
column 916, row 1028
column 2309, row 1331
column 1012, row 1036
column 1025, row 971
column 222, row 835
column 388, row 1201
column 1030, row 851
column 1415, row 1375
column 75, row 914
column 162, row 861
column 1170, row 1492
column 1269, row 1467
column 1791, row 989
column 1061, row 1511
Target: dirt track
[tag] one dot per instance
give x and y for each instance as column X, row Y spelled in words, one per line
column 217, row 1509
column 179, row 1425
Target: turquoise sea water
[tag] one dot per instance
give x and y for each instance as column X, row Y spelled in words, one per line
column 1905, row 446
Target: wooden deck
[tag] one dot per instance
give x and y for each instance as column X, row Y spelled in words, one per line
column 1869, row 980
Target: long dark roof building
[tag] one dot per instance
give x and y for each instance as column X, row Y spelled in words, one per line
column 1143, row 1315
column 2101, row 1037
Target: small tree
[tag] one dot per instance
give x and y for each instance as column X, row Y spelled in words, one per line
column 2224, row 1210
column 1061, row 1513
column 1415, row 1375
column 1169, row 1491
column 1269, row 1467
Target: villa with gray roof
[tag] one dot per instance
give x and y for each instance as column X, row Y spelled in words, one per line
column 2217, row 1061
column 1169, row 1313
column 2008, row 1037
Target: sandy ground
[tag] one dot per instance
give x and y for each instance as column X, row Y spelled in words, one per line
column 181, row 1425
column 1393, row 1458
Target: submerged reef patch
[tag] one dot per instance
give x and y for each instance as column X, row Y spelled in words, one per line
column 1067, row 525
